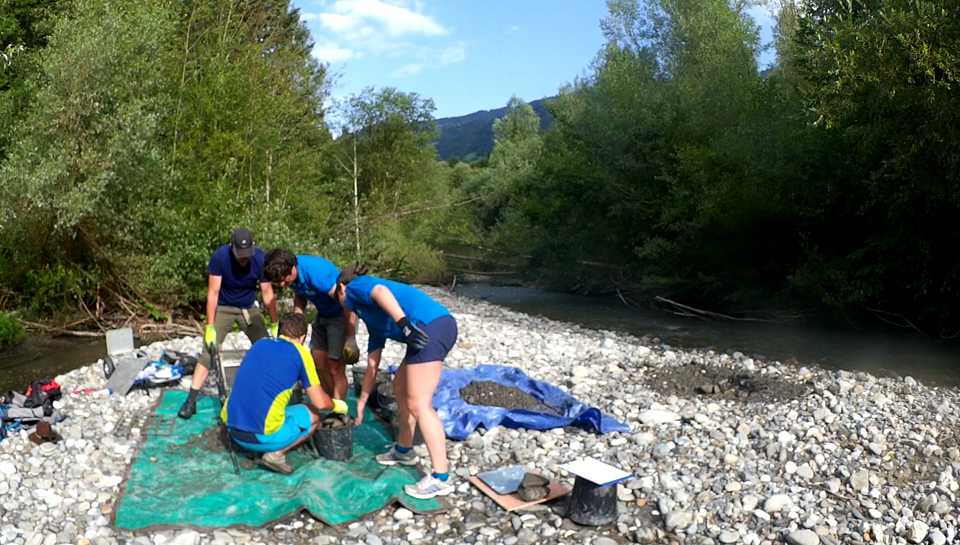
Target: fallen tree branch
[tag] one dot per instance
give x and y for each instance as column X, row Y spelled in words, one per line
column 482, row 273
column 91, row 315
column 710, row 314
column 625, row 300
column 905, row 322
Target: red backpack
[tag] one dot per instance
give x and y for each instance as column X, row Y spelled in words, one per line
column 42, row 392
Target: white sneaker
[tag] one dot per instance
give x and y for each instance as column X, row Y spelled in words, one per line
column 429, row 487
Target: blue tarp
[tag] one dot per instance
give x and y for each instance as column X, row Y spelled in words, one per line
column 460, row 418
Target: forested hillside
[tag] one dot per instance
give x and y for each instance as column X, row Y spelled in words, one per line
column 469, row 137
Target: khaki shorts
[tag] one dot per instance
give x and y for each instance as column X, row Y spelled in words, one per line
column 250, row 321
column 328, row 335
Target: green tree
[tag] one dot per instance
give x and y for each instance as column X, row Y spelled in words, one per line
column 517, row 145
column 153, row 130
column 882, row 78
column 247, row 127
column 72, row 188
column 25, row 26
column 407, row 206
column 644, row 167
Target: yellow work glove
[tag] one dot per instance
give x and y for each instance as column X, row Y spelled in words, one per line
column 339, row 407
column 210, row 335
column 275, row 330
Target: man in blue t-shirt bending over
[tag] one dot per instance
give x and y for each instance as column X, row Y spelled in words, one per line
column 314, row 279
column 257, row 413
column 234, row 273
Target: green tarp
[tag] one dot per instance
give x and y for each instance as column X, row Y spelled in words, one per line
column 183, row 476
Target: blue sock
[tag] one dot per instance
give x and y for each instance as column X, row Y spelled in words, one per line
column 403, row 450
column 441, row 476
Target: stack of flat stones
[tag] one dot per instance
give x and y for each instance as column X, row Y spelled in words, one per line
column 533, row 487
column 336, row 421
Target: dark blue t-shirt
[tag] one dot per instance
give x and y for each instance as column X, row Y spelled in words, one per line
column 239, row 285
column 418, row 307
column 316, row 276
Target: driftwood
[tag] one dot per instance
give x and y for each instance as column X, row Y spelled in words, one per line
column 895, row 319
column 62, row 331
column 165, row 329
column 693, row 312
column 482, row 273
column 625, row 300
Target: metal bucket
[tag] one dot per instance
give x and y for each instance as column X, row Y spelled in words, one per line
column 591, row 504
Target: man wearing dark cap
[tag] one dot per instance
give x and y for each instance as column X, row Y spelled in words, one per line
column 234, row 272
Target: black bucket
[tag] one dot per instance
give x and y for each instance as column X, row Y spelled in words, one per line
column 382, row 395
column 358, row 373
column 591, row 504
column 383, row 398
column 335, row 443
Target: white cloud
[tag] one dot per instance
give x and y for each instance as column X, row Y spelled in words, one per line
column 453, row 54
column 399, row 31
column 514, row 28
column 332, row 53
column 345, row 16
column 408, row 70
column 337, row 23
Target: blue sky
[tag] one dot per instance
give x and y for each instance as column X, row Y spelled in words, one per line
column 466, row 55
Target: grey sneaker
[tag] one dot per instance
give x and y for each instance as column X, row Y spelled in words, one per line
column 429, row 487
column 276, row 462
column 392, row 458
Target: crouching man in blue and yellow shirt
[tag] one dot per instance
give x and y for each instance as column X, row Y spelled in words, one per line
column 257, row 415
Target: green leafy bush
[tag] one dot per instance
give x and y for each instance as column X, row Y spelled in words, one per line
column 11, row 332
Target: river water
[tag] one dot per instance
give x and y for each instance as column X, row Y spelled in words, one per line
column 879, row 353
column 45, row 357
column 883, row 354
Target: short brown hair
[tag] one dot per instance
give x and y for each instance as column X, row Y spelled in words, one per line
column 278, row 264
column 293, row 325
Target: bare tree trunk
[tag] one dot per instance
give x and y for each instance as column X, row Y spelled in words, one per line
column 356, row 197
column 183, row 79
column 269, row 172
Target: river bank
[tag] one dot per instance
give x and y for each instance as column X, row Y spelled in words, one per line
column 773, row 452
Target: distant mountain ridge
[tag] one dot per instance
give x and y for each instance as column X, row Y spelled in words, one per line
column 470, row 137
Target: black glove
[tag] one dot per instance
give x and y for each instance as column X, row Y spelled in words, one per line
column 415, row 337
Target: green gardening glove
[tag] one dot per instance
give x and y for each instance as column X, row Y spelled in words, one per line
column 339, row 407
column 210, row 335
column 275, row 330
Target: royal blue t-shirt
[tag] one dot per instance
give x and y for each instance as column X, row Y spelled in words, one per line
column 239, row 285
column 315, row 277
column 265, row 383
column 418, row 307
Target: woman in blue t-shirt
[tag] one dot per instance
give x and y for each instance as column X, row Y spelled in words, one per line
column 392, row 310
